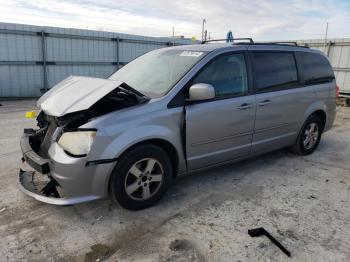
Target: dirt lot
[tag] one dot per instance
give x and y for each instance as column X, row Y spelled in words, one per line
column 303, row 201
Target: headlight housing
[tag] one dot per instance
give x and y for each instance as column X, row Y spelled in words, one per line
column 77, row 143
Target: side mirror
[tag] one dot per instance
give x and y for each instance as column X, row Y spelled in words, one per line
column 201, row 91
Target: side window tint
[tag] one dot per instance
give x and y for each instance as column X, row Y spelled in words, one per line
column 317, row 69
column 275, row 71
column 227, row 74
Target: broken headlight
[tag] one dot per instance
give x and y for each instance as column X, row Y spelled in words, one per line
column 77, row 143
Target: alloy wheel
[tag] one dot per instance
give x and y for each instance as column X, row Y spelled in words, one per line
column 144, row 179
column 310, row 136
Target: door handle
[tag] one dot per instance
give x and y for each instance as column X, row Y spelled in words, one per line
column 245, row 106
column 265, row 102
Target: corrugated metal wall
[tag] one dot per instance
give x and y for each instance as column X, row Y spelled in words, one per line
column 34, row 58
column 338, row 51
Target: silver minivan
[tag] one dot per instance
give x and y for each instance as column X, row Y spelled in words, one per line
column 174, row 111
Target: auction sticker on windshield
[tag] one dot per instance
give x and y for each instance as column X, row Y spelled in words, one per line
column 191, row 53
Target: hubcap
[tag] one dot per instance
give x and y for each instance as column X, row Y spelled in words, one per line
column 310, row 136
column 144, row 179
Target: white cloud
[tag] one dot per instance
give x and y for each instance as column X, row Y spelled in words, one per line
column 263, row 20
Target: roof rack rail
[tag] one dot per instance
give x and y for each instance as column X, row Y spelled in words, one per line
column 234, row 39
column 251, row 42
column 283, row 43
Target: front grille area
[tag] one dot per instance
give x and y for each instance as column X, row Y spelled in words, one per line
column 47, row 137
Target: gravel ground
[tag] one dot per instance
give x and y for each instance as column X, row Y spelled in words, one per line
column 303, row 201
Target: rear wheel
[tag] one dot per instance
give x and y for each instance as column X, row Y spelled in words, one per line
column 142, row 177
column 309, row 136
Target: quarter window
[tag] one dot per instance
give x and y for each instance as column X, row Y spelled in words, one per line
column 275, row 71
column 227, row 74
column 316, row 68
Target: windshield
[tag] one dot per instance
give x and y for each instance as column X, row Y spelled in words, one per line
column 156, row 72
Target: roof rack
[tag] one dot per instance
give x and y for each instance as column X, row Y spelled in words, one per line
column 234, row 39
column 281, row 43
column 251, row 42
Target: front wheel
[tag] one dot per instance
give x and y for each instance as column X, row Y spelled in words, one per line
column 309, row 136
column 141, row 177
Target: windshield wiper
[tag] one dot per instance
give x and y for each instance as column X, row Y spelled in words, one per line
column 131, row 91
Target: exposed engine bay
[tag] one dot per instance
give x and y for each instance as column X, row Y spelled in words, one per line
column 121, row 97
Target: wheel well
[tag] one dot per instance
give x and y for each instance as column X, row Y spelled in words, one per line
column 322, row 115
column 166, row 146
column 170, row 149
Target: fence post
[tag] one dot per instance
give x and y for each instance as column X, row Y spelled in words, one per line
column 329, row 46
column 118, row 53
column 43, row 57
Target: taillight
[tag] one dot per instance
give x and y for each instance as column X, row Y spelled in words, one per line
column 337, row 91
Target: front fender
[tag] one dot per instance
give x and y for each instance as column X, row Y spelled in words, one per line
column 139, row 134
column 136, row 135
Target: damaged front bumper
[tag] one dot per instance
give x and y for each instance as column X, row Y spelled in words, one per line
column 33, row 176
column 61, row 179
column 47, row 192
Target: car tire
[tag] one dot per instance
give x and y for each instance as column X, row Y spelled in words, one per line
column 309, row 136
column 141, row 177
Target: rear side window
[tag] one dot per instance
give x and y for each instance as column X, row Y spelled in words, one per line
column 274, row 71
column 316, row 67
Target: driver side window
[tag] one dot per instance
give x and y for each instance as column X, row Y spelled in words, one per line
column 227, row 74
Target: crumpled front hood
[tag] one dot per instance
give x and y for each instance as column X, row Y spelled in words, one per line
column 75, row 93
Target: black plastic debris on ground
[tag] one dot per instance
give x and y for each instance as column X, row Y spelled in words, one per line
column 260, row 231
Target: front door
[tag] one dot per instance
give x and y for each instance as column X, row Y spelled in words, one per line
column 221, row 129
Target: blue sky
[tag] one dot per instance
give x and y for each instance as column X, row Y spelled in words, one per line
column 262, row 20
